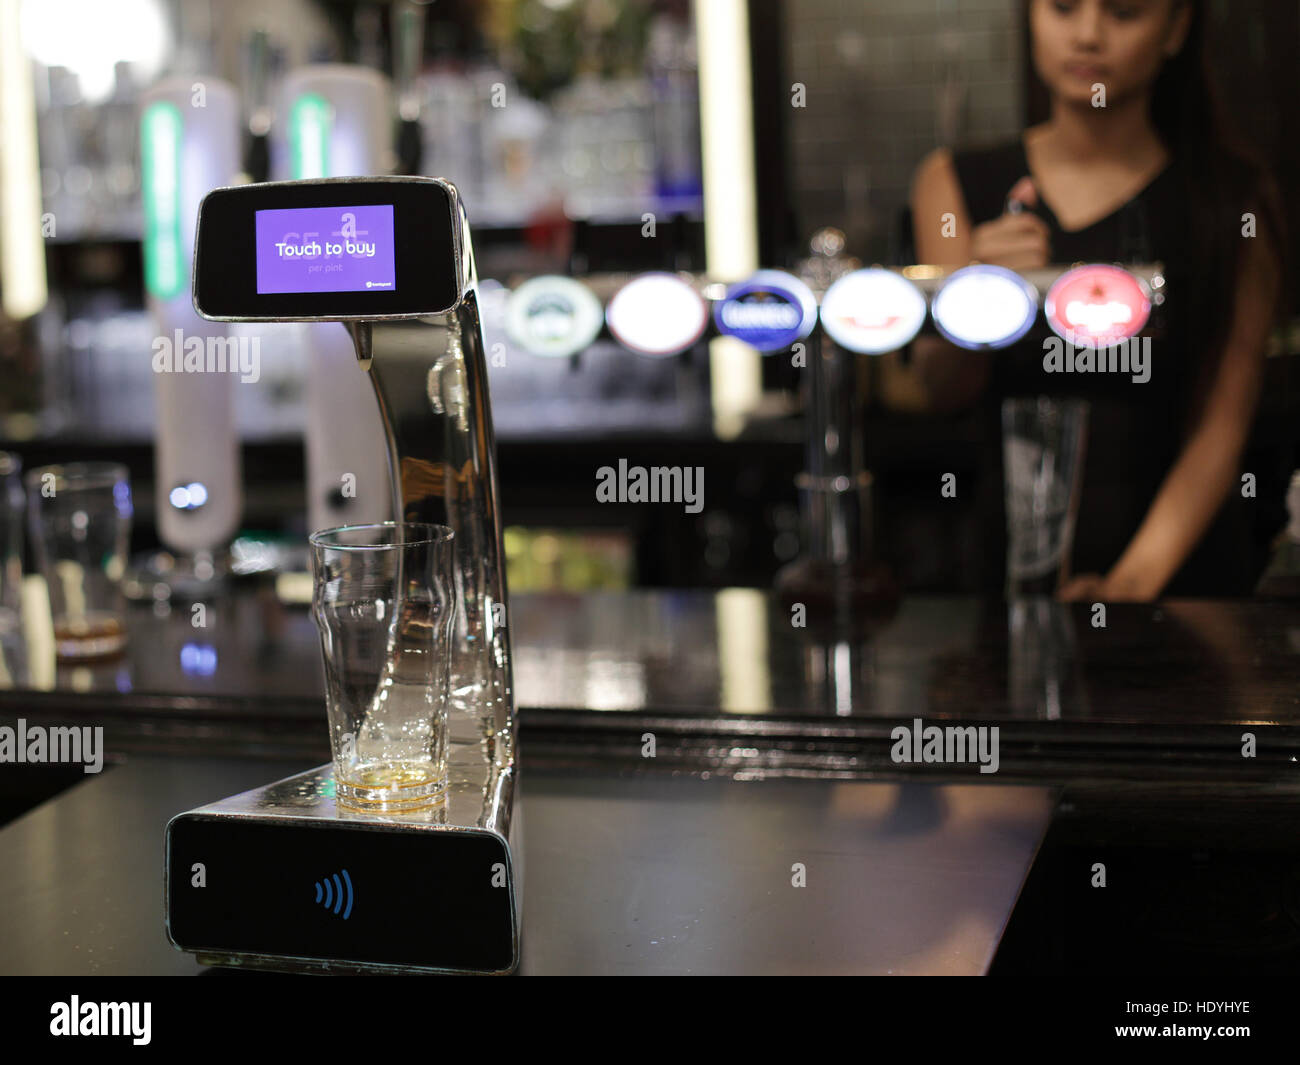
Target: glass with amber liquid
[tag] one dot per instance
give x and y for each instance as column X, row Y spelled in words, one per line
column 384, row 599
column 79, row 517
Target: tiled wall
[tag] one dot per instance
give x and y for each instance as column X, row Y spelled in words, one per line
column 873, row 70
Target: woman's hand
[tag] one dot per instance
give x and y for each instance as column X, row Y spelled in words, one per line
column 1209, row 466
column 1016, row 240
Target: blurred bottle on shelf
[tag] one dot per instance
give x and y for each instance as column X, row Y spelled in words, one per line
column 603, row 134
column 62, row 133
column 600, row 119
column 90, row 177
column 117, row 175
column 674, row 73
column 450, row 114
column 260, row 62
column 408, row 50
column 516, row 139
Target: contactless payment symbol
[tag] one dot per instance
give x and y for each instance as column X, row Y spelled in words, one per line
column 873, row 311
column 984, row 307
column 335, row 894
column 769, row 311
column 1097, row 305
column 554, row 316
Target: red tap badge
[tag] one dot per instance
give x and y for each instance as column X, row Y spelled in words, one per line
column 1097, row 305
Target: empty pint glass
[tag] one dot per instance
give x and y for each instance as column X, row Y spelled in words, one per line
column 384, row 599
column 1043, row 443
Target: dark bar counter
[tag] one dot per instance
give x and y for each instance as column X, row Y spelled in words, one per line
column 729, row 685
column 651, row 875
column 1121, row 743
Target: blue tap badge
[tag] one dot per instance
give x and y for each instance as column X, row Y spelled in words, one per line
column 984, row 306
column 769, row 311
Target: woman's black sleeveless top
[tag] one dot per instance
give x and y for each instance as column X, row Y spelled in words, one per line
column 1134, row 429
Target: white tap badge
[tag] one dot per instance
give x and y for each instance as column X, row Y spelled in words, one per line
column 554, row 316
column 873, row 311
column 985, row 307
column 657, row 314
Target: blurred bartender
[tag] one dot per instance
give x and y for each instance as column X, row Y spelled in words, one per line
column 1150, row 176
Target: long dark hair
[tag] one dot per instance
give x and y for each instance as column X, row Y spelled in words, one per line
column 1224, row 178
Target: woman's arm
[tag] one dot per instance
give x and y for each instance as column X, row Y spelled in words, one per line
column 941, row 377
column 1206, row 470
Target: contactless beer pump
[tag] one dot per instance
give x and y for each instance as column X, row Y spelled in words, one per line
column 281, row 877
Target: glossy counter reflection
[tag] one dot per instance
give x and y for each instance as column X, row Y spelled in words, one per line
column 650, row 874
column 735, row 653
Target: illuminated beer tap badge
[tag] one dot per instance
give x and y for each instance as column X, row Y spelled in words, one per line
column 873, row 311
column 657, row 314
column 325, row 249
column 554, row 316
column 1097, row 306
column 770, row 311
column 984, row 306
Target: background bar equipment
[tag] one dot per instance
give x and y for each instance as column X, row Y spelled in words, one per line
column 189, row 139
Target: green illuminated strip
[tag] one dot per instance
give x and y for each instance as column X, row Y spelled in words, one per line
column 160, row 140
column 309, row 136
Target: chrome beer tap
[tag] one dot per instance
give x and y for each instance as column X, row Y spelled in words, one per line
column 412, row 310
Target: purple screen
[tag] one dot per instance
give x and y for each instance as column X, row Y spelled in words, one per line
column 325, row 249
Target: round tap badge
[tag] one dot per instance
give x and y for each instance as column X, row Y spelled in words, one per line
column 873, row 311
column 770, row 311
column 1097, row 305
column 553, row 315
column 984, row 307
column 657, row 314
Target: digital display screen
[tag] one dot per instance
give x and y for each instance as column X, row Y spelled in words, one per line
column 325, row 249
column 405, row 259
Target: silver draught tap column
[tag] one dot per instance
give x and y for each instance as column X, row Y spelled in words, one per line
column 390, row 258
column 430, row 379
column 845, row 589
